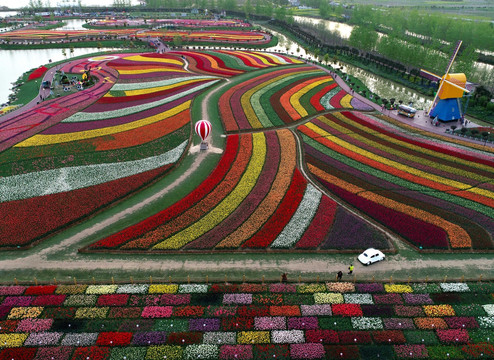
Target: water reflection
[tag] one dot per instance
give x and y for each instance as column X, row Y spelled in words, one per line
column 344, row 30
column 73, row 24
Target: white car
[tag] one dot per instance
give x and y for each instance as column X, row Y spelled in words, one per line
column 370, row 256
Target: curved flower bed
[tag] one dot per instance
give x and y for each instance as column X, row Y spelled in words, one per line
column 222, row 36
column 434, row 197
column 255, row 198
column 193, row 23
column 279, row 97
column 90, row 159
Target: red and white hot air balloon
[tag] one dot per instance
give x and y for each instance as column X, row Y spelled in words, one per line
column 203, row 129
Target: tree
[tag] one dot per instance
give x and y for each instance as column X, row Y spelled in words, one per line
column 363, row 38
column 230, row 5
column 326, row 58
column 324, row 9
column 280, row 13
column 248, row 9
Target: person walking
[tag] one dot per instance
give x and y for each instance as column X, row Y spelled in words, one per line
column 350, row 269
column 339, row 275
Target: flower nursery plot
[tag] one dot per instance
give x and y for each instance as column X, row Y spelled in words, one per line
column 156, row 321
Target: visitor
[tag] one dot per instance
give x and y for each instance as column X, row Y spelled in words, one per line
column 339, row 275
column 284, row 278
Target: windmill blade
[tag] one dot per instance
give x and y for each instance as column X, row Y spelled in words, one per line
column 428, row 75
column 457, row 86
column 452, row 59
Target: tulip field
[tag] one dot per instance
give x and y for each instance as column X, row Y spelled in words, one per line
column 188, row 23
column 304, row 166
column 214, row 36
column 434, row 196
column 332, row 320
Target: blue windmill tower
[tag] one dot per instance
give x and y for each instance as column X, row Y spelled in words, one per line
column 446, row 104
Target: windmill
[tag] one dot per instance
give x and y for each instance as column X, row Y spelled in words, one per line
column 450, row 91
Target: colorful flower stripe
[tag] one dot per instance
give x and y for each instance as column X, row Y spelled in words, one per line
column 229, row 104
column 85, row 152
column 265, row 210
column 78, row 177
column 144, row 134
column 316, row 100
column 228, row 205
column 195, row 213
column 421, row 157
column 326, row 99
column 53, row 111
column 405, row 156
column 406, row 172
column 466, row 157
column 419, row 197
column 281, row 104
column 199, row 63
column 337, row 101
column 178, row 326
column 433, row 139
column 251, row 37
column 250, row 61
column 179, row 207
column 53, row 212
column 251, row 202
column 301, row 219
column 276, row 59
column 320, row 225
column 230, row 60
column 210, row 62
column 91, row 116
column 159, row 58
column 270, row 59
column 246, row 98
column 455, row 233
column 87, row 127
column 292, row 97
column 276, row 223
column 157, row 83
column 38, row 140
